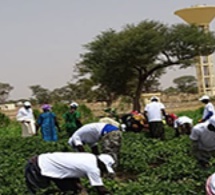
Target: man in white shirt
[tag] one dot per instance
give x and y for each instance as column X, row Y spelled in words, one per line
column 208, row 109
column 65, row 169
column 182, row 124
column 90, row 134
column 154, row 112
column 26, row 117
column 203, row 141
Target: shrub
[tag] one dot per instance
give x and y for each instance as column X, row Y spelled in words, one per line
column 4, row 120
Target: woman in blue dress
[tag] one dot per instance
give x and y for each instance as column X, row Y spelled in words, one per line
column 47, row 121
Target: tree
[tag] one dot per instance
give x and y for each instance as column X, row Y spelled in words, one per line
column 121, row 60
column 171, row 90
column 42, row 95
column 5, row 90
column 186, row 84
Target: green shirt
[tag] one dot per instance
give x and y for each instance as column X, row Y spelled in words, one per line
column 71, row 120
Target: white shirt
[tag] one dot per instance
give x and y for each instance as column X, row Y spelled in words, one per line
column 70, row 165
column 24, row 114
column 87, row 134
column 153, row 110
column 182, row 120
column 205, row 138
column 208, row 108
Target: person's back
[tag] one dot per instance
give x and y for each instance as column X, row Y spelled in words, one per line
column 181, row 120
column 65, row 169
column 154, row 112
column 47, row 122
column 204, row 137
column 89, row 133
column 67, row 164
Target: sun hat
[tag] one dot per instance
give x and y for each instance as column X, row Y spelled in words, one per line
column 27, row 103
column 108, row 161
column 204, row 97
column 154, row 98
column 74, row 105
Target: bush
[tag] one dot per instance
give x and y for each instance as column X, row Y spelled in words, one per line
column 4, row 120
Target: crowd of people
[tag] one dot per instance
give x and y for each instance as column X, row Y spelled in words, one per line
column 66, row 168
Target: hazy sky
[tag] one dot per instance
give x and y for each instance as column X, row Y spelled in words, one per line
column 41, row 40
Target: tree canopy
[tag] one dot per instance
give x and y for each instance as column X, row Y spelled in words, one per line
column 5, row 89
column 122, row 62
column 187, row 83
column 41, row 95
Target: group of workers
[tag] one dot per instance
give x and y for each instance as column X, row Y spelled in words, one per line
column 66, row 168
column 47, row 121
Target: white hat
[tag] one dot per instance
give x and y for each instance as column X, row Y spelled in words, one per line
column 74, row 105
column 27, row 103
column 123, row 127
column 204, row 97
column 108, row 161
column 212, row 121
column 154, row 98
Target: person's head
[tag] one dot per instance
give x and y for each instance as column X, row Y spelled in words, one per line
column 154, row 99
column 46, row 107
column 211, row 125
column 170, row 118
column 73, row 106
column 204, row 99
column 186, row 128
column 105, row 163
column 27, row 104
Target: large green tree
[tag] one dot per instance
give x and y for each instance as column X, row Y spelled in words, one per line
column 187, row 84
column 122, row 62
column 41, row 95
column 5, row 89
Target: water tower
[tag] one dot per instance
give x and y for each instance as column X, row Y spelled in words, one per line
column 202, row 15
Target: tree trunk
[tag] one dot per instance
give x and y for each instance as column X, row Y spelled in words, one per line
column 136, row 99
column 108, row 103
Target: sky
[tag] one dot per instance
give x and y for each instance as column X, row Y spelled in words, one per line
column 41, row 40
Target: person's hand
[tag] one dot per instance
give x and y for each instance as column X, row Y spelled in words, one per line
column 200, row 121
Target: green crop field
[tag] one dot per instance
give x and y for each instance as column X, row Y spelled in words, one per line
column 147, row 166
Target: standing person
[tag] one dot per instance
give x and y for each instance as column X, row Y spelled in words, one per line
column 65, row 169
column 182, row 124
column 208, row 109
column 72, row 119
column 26, row 118
column 48, row 123
column 203, row 144
column 154, row 112
column 91, row 133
